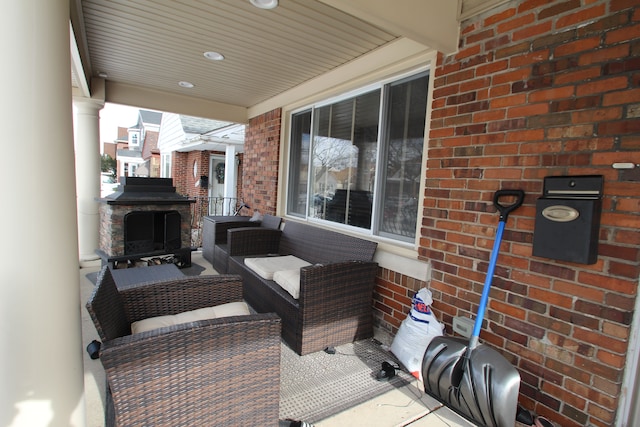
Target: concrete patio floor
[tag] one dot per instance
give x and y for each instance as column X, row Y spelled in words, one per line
column 406, row 406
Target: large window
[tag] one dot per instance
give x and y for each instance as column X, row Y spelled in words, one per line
column 358, row 161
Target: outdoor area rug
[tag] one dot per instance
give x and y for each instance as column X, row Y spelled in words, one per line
column 318, row 385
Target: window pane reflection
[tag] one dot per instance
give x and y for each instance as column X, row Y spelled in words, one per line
column 344, row 160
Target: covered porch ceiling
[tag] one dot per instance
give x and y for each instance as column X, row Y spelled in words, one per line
column 143, row 49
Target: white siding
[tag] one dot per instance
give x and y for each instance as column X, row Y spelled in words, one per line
column 171, row 133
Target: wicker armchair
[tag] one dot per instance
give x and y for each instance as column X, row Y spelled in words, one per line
column 223, row 372
column 214, row 230
column 214, row 243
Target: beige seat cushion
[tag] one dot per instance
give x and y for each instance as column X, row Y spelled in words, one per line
column 265, row 267
column 224, row 310
column 289, row 280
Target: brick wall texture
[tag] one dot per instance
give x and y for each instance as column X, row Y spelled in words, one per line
column 182, row 173
column 538, row 88
column 260, row 169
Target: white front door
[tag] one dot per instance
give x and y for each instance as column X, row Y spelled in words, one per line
column 216, row 184
column 216, row 181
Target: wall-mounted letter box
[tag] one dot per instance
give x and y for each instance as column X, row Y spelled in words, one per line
column 568, row 218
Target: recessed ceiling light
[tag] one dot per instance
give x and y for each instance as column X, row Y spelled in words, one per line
column 265, row 4
column 185, row 84
column 214, row 56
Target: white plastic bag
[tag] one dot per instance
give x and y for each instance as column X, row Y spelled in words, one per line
column 416, row 332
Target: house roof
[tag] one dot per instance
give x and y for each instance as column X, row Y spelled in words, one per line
column 151, row 117
column 129, row 154
column 199, row 125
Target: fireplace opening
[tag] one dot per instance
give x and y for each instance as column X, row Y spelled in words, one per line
column 150, row 231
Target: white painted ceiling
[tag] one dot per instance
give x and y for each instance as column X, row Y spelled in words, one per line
column 154, row 44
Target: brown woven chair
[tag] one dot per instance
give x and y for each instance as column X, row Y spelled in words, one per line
column 222, row 372
column 214, row 230
column 214, row 240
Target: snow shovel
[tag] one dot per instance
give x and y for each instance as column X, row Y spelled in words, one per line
column 470, row 378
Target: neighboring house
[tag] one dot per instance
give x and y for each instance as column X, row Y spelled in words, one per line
column 109, row 148
column 150, row 155
column 203, row 156
column 108, row 182
column 121, row 143
column 137, row 153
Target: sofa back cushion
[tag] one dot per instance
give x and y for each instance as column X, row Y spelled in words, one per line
column 271, row 221
column 319, row 246
column 106, row 308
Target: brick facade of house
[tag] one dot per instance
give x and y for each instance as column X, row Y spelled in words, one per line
column 182, row 172
column 538, row 88
column 260, row 165
column 184, row 179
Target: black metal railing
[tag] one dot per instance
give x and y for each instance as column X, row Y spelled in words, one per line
column 207, row 206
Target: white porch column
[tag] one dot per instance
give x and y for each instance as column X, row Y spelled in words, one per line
column 87, row 150
column 230, row 178
column 41, row 374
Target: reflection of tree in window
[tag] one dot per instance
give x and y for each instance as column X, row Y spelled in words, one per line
column 344, row 155
column 333, row 155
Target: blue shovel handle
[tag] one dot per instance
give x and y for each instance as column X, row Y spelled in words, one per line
column 504, row 210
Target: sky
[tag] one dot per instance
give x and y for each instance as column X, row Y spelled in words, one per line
column 113, row 116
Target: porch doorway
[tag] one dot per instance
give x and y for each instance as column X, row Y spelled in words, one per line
column 217, row 174
column 222, row 194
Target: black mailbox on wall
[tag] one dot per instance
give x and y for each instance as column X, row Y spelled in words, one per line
column 568, row 218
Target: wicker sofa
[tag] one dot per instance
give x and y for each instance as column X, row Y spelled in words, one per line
column 335, row 300
column 214, row 236
column 192, row 373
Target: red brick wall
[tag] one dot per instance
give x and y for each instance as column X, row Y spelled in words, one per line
column 185, row 183
column 392, row 298
column 260, row 164
column 539, row 88
column 182, row 172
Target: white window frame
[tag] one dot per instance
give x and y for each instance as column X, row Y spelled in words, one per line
column 373, row 230
column 135, row 143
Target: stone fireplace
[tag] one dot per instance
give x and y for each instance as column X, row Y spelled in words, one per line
column 145, row 217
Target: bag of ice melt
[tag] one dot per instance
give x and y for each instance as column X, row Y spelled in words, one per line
column 416, row 332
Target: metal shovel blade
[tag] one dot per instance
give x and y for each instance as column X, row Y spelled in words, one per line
column 484, row 388
column 441, row 365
